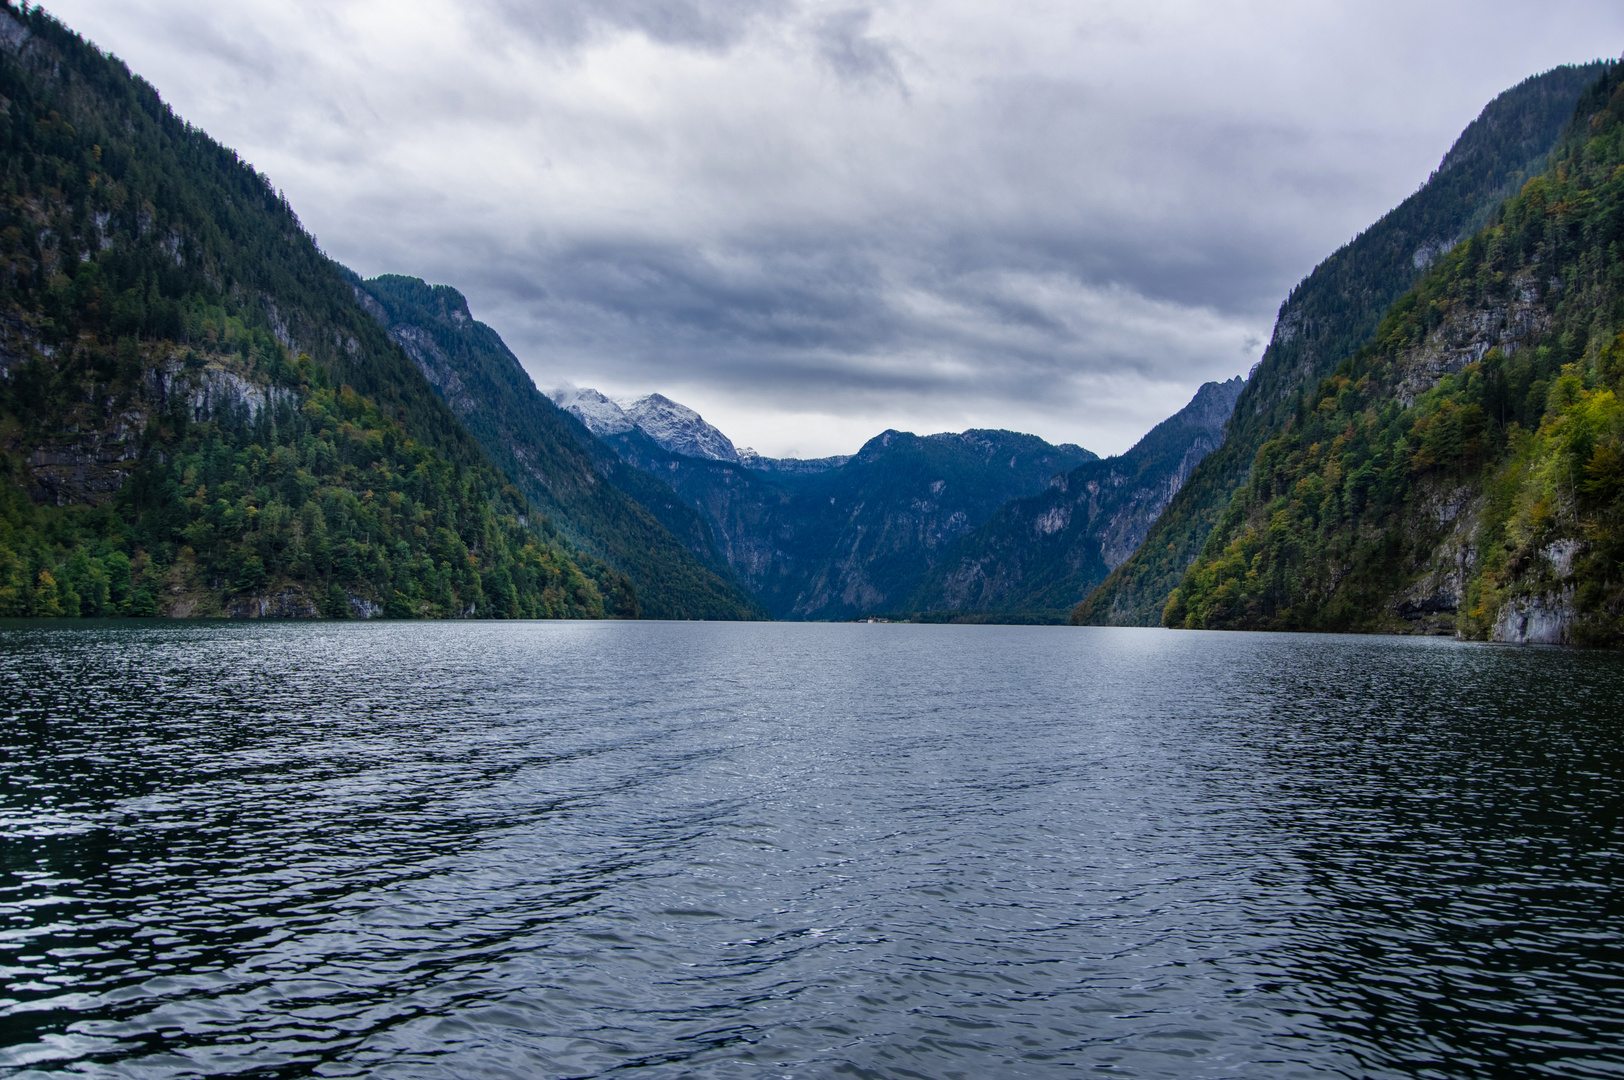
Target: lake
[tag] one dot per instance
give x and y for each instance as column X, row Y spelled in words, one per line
column 667, row 850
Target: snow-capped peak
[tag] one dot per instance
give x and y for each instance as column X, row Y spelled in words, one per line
column 673, row 426
column 678, row 428
column 600, row 415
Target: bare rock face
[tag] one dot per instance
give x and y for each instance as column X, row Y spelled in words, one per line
column 671, row 425
column 1467, row 336
column 678, row 428
column 84, row 455
column 1537, row 620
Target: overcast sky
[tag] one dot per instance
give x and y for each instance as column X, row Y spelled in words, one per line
column 812, row 221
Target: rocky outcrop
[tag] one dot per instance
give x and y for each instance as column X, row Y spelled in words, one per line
column 601, row 415
column 678, row 428
column 83, row 454
column 1466, row 337
column 1537, row 620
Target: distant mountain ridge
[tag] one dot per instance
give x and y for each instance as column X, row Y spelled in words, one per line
column 1037, row 555
column 837, row 537
column 752, row 460
column 842, row 536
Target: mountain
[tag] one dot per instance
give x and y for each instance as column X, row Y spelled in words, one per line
column 795, row 466
column 196, row 417
column 1336, row 310
column 837, row 538
column 1038, row 555
column 607, row 508
column 679, row 429
column 1464, row 471
column 673, row 427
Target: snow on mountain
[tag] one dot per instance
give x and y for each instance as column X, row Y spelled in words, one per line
column 600, row 415
column 678, row 428
column 673, row 426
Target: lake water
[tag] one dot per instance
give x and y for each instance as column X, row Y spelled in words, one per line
column 766, row 851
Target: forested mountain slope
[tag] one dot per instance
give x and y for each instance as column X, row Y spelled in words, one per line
column 1038, row 555
column 1465, row 471
column 195, row 415
column 617, row 513
column 1336, row 310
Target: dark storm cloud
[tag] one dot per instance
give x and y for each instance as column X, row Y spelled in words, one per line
column 815, row 220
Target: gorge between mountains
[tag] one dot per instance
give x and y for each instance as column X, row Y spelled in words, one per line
column 207, row 416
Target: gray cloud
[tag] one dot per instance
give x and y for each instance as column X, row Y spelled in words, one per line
column 811, row 221
column 847, row 47
column 701, row 24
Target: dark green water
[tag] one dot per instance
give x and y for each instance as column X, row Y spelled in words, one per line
column 734, row 850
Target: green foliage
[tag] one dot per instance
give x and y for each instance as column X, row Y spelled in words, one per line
column 165, row 450
column 1333, row 521
column 1335, row 311
column 328, row 501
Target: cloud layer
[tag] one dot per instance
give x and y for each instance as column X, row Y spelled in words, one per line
column 813, row 221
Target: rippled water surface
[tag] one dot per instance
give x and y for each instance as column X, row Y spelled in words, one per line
column 689, row 850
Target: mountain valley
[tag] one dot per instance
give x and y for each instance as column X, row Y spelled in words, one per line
column 201, row 414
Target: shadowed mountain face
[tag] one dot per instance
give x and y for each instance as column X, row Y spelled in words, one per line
column 1040, row 554
column 1334, row 311
column 620, row 515
column 841, row 538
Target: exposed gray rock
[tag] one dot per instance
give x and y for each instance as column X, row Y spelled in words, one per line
column 1546, row 619
column 1467, row 336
